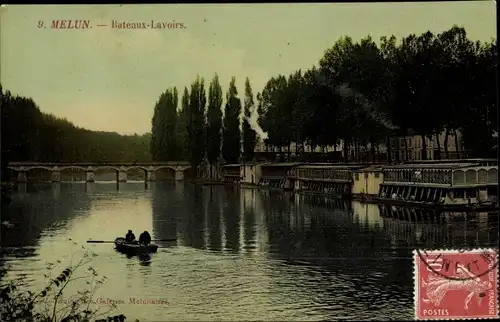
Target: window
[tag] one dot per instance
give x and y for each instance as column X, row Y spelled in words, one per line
column 356, row 176
column 409, row 142
column 402, row 142
column 377, row 174
column 410, row 155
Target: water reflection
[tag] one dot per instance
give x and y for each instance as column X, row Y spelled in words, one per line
column 90, row 187
column 303, row 227
column 39, row 209
column 56, row 190
column 232, row 217
column 241, row 254
column 212, row 220
column 166, row 208
column 22, row 187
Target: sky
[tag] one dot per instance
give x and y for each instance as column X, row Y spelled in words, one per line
column 109, row 79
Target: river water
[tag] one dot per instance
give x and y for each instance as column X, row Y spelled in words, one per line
column 240, row 254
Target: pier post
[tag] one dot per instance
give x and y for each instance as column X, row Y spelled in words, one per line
column 56, row 189
column 151, row 175
column 179, row 175
column 90, row 176
column 56, row 176
column 89, row 186
column 122, row 175
column 21, row 176
column 22, row 186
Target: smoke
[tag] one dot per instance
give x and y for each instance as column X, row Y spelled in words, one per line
column 345, row 91
column 254, row 124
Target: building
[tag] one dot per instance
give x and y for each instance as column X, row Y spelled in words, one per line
column 414, row 143
column 367, row 181
column 250, row 173
column 415, row 147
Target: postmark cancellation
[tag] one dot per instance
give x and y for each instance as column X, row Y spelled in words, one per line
column 456, row 284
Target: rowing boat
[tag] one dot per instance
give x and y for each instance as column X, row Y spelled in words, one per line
column 134, row 248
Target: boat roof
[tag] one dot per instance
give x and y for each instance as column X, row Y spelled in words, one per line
column 430, row 166
column 480, row 167
column 282, row 164
column 330, row 166
column 477, row 160
column 373, row 168
column 231, row 165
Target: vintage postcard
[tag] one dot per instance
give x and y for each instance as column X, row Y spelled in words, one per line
column 266, row 162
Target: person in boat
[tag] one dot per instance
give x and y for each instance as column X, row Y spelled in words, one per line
column 145, row 238
column 130, row 237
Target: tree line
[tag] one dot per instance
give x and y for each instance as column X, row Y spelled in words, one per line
column 199, row 130
column 359, row 96
column 27, row 134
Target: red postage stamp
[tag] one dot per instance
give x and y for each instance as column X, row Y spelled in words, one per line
column 456, row 284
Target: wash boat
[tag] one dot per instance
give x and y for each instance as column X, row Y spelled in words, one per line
column 133, row 248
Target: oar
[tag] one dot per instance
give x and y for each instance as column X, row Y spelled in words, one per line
column 109, row 241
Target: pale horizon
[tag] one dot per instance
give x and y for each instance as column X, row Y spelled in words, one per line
column 105, row 79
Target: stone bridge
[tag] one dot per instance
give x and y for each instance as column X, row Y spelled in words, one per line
column 121, row 169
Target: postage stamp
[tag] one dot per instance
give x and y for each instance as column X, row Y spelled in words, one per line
column 456, row 284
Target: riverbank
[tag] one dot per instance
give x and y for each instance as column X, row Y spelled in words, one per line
column 448, row 185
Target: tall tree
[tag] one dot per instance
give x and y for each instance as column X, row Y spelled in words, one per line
column 196, row 126
column 171, row 150
column 182, row 126
column 249, row 135
column 164, row 140
column 231, row 137
column 156, row 131
column 214, row 121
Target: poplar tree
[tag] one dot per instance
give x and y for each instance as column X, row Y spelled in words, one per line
column 231, row 138
column 214, row 121
column 196, row 126
column 156, row 129
column 182, row 126
column 164, row 142
column 249, row 135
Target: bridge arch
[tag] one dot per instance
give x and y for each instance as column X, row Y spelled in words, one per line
column 105, row 167
column 164, row 167
column 38, row 167
column 71, row 173
column 105, row 173
column 164, row 173
column 72, row 167
column 136, row 172
column 37, row 173
column 136, row 167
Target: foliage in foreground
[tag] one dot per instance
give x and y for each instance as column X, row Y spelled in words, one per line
column 49, row 305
